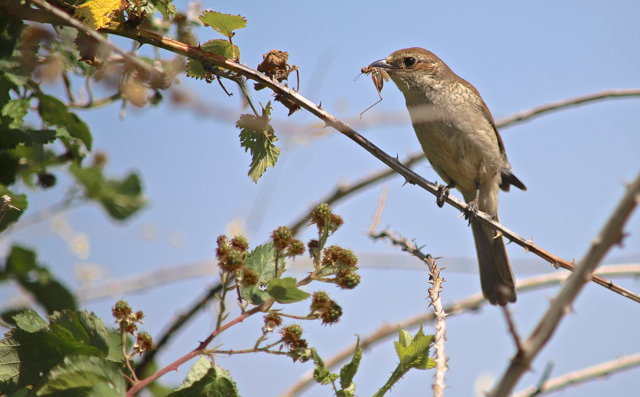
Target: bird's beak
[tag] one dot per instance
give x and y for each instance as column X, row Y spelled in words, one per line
column 382, row 64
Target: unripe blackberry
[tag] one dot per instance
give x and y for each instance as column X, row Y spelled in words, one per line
column 350, row 280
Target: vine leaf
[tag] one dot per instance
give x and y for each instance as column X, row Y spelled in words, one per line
column 223, row 23
column 98, row 14
column 258, row 136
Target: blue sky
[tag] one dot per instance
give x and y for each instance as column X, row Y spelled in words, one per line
column 518, row 55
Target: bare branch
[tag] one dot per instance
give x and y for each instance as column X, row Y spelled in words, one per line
column 577, row 377
column 512, row 328
column 610, row 235
column 472, row 303
column 565, row 103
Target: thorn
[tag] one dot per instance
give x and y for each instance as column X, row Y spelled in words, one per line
column 498, row 234
column 320, row 105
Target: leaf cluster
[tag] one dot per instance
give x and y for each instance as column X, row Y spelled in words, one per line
column 68, row 354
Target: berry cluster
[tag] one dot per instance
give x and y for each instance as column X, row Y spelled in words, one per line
column 325, row 308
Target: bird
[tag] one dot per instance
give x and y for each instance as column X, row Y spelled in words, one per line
column 459, row 138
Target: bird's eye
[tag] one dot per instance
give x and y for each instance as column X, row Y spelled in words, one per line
column 409, row 61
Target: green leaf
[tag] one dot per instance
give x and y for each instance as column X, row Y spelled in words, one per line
column 165, row 7
column 349, row 370
column 258, row 136
column 85, row 376
column 30, row 321
column 10, row 138
column 262, row 261
column 321, row 374
column 223, row 23
column 25, row 356
column 204, row 379
column 37, row 279
column 222, row 48
column 416, row 353
column 16, row 110
column 82, row 327
column 217, row 46
column 11, row 215
column 56, row 113
column 284, row 290
column 405, row 338
column 121, row 198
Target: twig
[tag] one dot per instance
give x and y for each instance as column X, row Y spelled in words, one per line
column 434, row 296
column 512, row 328
column 610, row 235
column 565, row 103
column 471, row 303
column 201, row 349
column 91, row 104
column 178, row 323
column 378, row 214
column 589, row 373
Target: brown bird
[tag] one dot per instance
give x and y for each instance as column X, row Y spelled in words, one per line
column 460, row 139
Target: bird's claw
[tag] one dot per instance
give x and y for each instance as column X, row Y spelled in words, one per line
column 443, row 193
column 471, row 211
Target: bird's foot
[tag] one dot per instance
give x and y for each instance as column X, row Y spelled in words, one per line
column 471, row 211
column 443, row 193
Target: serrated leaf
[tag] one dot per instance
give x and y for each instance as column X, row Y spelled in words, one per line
column 258, row 136
column 30, row 321
column 25, row 356
column 262, row 261
column 82, row 327
column 223, row 23
column 348, row 371
column 195, row 70
column 120, row 198
column 413, row 352
column 90, row 376
column 222, row 48
column 54, row 112
column 284, row 290
column 320, row 373
column 165, row 7
column 16, row 109
column 204, row 379
column 98, row 14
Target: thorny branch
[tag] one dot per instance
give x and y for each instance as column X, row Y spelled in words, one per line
column 471, row 303
column 610, row 235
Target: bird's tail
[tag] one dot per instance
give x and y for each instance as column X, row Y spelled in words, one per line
column 496, row 276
